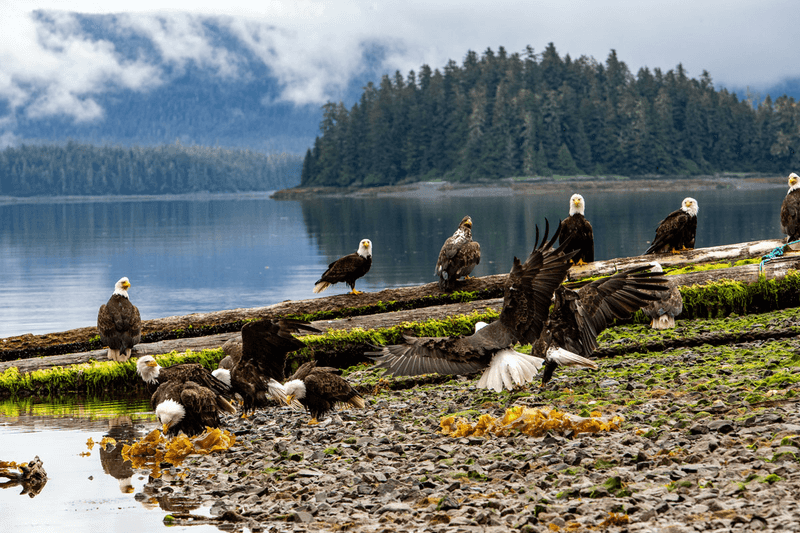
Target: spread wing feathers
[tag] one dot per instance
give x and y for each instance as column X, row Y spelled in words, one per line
column 528, row 293
column 529, row 290
column 259, row 373
column 676, row 231
column 579, row 230
column 324, row 390
column 196, row 373
column 347, row 269
column 510, row 369
column 311, row 367
column 663, row 310
column 560, row 357
column 579, row 316
column 790, row 215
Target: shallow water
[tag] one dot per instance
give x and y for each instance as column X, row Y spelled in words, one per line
column 88, row 488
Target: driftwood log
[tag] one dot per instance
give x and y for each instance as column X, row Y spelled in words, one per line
column 776, row 268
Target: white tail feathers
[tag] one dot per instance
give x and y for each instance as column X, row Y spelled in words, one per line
column 278, row 393
column 321, row 286
column 357, row 401
column 510, row 369
column 563, row 357
column 223, row 374
column 663, row 322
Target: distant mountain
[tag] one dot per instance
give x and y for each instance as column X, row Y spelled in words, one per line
column 194, row 105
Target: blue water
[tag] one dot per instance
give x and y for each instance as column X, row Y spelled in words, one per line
column 60, row 259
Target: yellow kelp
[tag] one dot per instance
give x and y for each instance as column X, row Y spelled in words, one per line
column 529, row 421
column 154, row 448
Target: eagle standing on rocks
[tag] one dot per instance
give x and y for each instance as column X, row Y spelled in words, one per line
column 579, row 232
column 458, row 256
column 188, row 406
column 348, row 269
column 676, row 232
column 790, row 210
column 119, row 323
column 320, row 389
column 526, row 304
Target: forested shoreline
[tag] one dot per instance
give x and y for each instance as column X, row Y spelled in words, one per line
column 499, row 115
column 83, row 169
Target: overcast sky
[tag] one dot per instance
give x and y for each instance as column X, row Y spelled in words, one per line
column 314, row 48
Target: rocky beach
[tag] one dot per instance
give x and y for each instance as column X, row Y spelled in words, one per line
column 708, row 441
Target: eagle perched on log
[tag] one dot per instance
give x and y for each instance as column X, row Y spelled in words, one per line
column 676, row 232
column 579, row 231
column 790, row 210
column 347, row 269
column 458, row 256
column 119, row 323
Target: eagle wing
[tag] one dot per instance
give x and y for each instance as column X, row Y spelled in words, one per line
column 676, row 230
column 668, row 302
column 605, row 299
column 528, row 293
column 346, row 268
column 579, row 231
column 196, row 373
column 329, row 386
column 790, row 215
column 119, row 322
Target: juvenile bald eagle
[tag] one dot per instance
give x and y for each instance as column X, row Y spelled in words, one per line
column 578, row 316
column 527, row 295
column 790, row 210
column 348, row 268
column 319, row 389
column 458, row 256
column 259, row 372
column 676, row 232
column 579, row 231
column 188, row 406
column 119, row 323
column 668, row 304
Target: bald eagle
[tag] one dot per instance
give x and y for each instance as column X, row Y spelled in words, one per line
column 790, row 210
column 578, row 316
column 320, row 389
column 579, row 231
column 119, row 323
column 669, row 304
column 188, row 406
column 151, row 372
column 259, row 372
column 676, row 232
column 458, row 256
column 527, row 295
column 348, row 268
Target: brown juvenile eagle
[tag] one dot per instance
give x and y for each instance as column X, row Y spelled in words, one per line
column 527, row 295
column 578, row 231
column 347, row 269
column 320, row 389
column 676, row 232
column 458, row 256
column 119, row 323
column 790, row 210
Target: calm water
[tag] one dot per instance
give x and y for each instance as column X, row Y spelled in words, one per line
column 60, row 260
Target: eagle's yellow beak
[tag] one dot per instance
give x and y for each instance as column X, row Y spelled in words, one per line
column 152, row 363
column 792, row 181
column 126, row 285
column 164, row 428
column 576, row 202
column 289, row 399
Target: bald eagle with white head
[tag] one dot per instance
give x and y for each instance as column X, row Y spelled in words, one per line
column 578, row 231
column 188, row 407
column 677, row 231
column 458, row 257
column 119, row 323
column 347, row 269
column 320, row 389
column 790, row 210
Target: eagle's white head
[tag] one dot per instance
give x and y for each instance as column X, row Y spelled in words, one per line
column 223, row 374
column 480, row 325
column 365, row 248
column 689, row 205
column 169, row 413
column 794, row 182
column 148, row 368
column 656, row 267
column 121, row 287
column 295, row 390
column 576, row 205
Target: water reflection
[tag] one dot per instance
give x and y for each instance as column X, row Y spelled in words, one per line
column 31, row 477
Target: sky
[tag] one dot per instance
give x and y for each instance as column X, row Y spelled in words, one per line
column 49, row 67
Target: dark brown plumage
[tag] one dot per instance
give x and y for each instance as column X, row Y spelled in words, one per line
column 676, row 232
column 151, row 372
column 790, row 210
column 578, row 231
column 578, row 316
column 119, row 323
column 458, row 257
column 188, row 406
column 259, row 372
column 347, row 269
column 526, row 303
column 319, row 389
